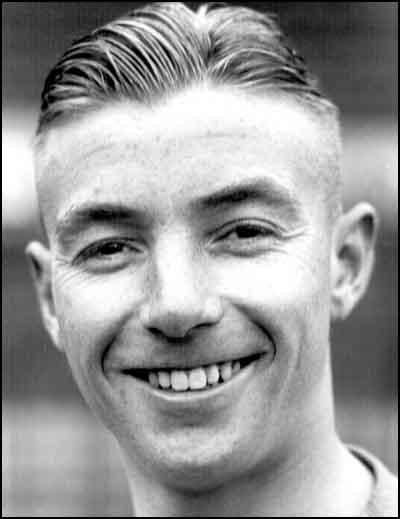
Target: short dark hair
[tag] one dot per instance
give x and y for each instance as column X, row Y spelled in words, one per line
column 165, row 46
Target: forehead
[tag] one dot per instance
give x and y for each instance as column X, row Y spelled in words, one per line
column 191, row 143
column 199, row 111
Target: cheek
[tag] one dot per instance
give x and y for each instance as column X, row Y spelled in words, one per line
column 280, row 284
column 288, row 296
column 91, row 312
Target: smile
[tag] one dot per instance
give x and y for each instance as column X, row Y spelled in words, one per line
column 196, row 379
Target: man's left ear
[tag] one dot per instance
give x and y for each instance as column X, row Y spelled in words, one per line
column 352, row 258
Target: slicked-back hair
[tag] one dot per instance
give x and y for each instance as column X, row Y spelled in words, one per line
column 163, row 47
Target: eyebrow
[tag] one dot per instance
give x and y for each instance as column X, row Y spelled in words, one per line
column 78, row 218
column 258, row 189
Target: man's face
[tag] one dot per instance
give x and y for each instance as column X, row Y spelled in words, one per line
column 186, row 236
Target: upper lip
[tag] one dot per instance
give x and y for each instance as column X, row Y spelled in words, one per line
column 186, row 362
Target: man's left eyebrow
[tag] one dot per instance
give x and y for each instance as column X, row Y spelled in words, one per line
column 263, row 190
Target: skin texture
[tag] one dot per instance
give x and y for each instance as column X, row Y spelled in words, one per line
column 186, row 282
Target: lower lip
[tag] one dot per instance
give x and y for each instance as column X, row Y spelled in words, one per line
column 207, row 398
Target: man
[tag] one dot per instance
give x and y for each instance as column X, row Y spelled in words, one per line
column 188, row 173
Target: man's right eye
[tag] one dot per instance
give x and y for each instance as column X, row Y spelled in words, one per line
column 108, row 249
column 109, row 253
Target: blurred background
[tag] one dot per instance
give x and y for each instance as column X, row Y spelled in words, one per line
column 57, row 460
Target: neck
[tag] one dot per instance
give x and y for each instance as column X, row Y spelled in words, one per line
column 316, row 477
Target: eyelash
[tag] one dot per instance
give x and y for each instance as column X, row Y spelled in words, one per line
column 257, row 236
column 260, row 230
column 94, row 251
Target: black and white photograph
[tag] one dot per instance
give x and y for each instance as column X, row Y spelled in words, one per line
column 199, row 258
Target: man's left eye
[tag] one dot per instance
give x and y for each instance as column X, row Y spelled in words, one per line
column 245, row 238
column 249, row 232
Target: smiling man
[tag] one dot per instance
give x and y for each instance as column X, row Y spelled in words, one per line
column 188, row 174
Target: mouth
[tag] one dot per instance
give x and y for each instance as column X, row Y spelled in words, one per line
column 200, row 378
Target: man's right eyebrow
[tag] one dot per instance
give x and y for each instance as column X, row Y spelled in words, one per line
column 78, row 218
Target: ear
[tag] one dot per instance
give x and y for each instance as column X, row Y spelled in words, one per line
column 352, row 258
column 39, row 258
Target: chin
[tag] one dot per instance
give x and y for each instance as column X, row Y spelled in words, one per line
column 197, row 476
column 197, row 463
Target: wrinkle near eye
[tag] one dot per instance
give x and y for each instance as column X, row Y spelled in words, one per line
column 65, row 275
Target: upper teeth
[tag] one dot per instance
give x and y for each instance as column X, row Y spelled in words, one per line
column 197, row 378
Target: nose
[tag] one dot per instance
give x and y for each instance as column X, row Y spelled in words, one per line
column 179, row 299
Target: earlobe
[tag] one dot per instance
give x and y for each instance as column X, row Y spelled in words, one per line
column 40, row 265
column 352, row 258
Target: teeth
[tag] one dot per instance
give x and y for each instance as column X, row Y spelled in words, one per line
column 226, row 371
column 164, row 379
column 212, row 374
column 153, row 379
column 179, row 381
column 194, row 379
column 197, row 378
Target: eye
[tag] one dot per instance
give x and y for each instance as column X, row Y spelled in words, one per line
column 245, row 238
column 108, row 249
column 247, row 231
column 108, row 254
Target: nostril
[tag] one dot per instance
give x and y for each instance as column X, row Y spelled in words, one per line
column 168, row 337
column 175, row 318
column 175, row 325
